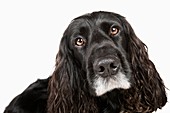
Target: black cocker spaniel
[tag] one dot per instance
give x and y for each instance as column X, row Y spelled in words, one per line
column 101, row 67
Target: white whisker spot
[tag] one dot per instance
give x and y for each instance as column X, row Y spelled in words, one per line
column 103, row 85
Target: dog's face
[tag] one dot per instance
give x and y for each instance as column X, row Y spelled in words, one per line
column 99, row 44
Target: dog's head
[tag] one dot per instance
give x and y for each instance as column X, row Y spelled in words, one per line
column 99, row 44
column 99, row 52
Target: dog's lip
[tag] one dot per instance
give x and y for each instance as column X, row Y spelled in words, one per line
column 103, row 85
column 109, row 76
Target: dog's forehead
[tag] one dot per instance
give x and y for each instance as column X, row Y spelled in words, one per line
column 99, row 15
column 96, row 18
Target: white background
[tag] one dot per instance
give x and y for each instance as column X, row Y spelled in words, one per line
column 30, row 32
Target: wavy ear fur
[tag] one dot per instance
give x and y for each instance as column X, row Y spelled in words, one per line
column 148, row 90
column 68, row 85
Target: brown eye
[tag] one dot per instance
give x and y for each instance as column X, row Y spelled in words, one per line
column 79, row 41
column 114, row 30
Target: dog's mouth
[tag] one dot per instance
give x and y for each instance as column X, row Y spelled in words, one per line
column 101, row 85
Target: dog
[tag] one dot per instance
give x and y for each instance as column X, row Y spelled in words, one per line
column 101, row 67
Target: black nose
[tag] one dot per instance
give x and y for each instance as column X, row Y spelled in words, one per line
column 107, row 66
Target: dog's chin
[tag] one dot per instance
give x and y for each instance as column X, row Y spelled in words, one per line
column 103, row 85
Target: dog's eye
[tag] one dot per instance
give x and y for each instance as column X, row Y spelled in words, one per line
column 113, row 30
column 79, row 41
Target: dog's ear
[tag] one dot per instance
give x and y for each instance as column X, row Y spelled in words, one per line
column 67, row 85
column 148, row 90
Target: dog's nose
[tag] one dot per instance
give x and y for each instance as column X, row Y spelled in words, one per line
column 107, row 66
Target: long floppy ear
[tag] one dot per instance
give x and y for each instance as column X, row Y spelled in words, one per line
column 68, row 90
column 148, row 90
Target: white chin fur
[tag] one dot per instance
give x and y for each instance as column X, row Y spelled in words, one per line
column 101, row 85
